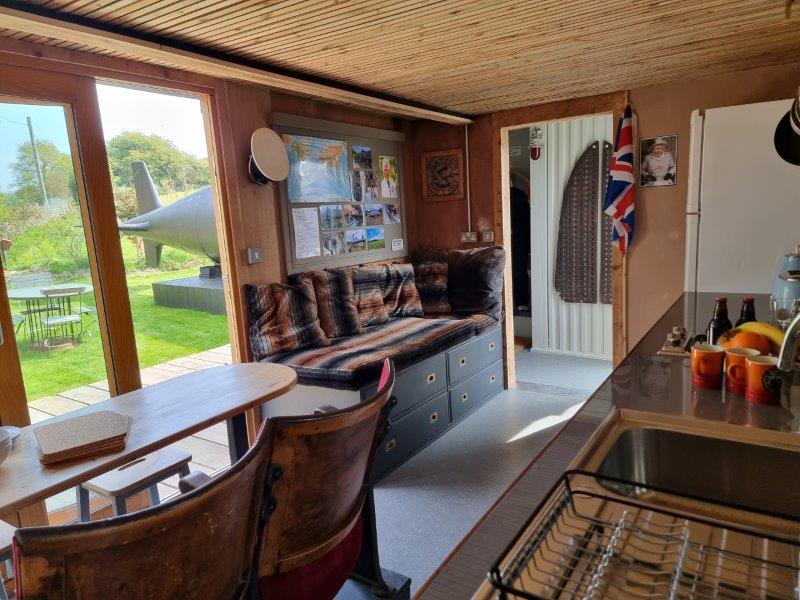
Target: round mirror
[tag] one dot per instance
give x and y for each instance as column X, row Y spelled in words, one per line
column 268, row 158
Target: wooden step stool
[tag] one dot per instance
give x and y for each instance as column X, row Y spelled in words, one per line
column 142, row 474
column 6, row 537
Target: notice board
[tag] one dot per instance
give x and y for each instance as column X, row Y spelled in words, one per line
column 343, row 202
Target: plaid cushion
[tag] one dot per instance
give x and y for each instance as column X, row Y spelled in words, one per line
column 400, row 296
column 353, row 362
column 282, row 318
column 336, row 303
column 483, row 323
column 368, row 284
column 431, row 278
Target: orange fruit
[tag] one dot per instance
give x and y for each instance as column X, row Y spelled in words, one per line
column 748, row 339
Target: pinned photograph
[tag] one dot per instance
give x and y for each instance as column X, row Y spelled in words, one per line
column 331, row 216
column 318, row 169
column 370, row 185
column 358, row 186
column 353, row 216
column 657, row 165
column 375, row 239
column 356, row 240
column 391, row 214
column 388, row 165
column 374, row 214
column 333, row 243
column 362, row 157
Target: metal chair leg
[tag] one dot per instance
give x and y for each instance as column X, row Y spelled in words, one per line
column 84, row 510
column 119, row 506
column 152, row 491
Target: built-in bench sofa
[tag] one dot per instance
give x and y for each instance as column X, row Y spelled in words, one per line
column 436, row 318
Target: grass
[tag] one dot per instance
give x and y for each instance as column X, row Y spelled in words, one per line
column 162, row 334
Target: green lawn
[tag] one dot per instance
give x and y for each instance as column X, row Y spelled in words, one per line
column 162, row 334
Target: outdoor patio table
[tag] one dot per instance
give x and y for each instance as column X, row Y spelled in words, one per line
column 34, row 298
column 162, row 414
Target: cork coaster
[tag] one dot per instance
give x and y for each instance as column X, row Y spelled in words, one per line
column 95, row 433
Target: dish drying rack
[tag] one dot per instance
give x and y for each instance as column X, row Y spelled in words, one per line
column 585, row 542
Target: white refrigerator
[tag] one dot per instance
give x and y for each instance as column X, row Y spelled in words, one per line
column 743, row 206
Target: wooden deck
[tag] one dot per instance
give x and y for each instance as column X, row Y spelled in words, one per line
column 209, row 448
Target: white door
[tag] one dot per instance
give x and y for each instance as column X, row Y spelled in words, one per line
column 558, row 326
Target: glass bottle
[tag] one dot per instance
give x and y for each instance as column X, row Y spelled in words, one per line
column 748, row 313
column 720, row 323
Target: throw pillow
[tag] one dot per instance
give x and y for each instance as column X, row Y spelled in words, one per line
column 336, row 303
column 368, row 283
column 431, row 279
column 475, row 281
column 283, row 318
column 400, row 296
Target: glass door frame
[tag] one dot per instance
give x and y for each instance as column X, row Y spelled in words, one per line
column 78, row 96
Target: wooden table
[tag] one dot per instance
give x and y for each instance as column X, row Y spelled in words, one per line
column 162, row 414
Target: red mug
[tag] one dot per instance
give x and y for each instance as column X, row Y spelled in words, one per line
column 707, row 366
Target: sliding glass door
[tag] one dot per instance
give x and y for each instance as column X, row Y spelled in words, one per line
column 67, row 338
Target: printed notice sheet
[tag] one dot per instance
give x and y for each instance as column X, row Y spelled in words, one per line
column 306, row 232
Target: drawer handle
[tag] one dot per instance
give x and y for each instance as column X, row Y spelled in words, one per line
column 493, row 378
column 462, row 362
column 431, row 377
column 464, row 397
column 434, row 417
column 491, row 347
column 391, row 445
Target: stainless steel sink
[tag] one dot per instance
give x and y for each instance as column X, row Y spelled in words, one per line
column 760, row 477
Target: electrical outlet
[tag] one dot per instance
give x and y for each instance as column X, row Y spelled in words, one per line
column 254, row 256
column 487, row 237
column 469, row 237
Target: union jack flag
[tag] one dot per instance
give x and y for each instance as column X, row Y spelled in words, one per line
column 619, row 202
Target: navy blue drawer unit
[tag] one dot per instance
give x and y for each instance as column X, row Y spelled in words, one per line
column 434, row 394
column 476, row 389
column 415, row 384
column 470, row 357
column 411, row 432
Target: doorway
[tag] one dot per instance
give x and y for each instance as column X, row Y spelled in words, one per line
column 560, row 252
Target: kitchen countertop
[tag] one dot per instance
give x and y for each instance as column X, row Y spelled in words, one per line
column 643, row 381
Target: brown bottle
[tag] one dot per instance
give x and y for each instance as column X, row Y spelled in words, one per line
column 720, row 323
column 748, row 313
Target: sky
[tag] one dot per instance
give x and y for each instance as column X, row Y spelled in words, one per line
column 177, row 118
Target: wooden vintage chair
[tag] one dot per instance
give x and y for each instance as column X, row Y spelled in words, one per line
column 317, row 483
column 198, row 545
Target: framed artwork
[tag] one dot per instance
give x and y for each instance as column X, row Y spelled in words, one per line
column 658, row 160
column 443, row 175
column 318, row 169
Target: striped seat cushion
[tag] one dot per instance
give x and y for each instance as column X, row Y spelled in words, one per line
column 368, row 285
column 483, row 323
column 431, row 279
column 352, row 362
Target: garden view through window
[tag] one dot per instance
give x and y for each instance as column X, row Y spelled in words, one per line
column 157, row 155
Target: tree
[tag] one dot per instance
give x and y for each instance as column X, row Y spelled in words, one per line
column 172, row 169
column 57, row 172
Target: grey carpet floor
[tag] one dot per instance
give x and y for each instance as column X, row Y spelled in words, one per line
column 558, row 373
column 426, row 506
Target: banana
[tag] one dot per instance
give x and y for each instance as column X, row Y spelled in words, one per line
column 770, row 332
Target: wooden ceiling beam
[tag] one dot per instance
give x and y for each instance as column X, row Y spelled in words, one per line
column 33, row 22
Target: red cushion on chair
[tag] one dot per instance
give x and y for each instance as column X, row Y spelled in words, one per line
column 384, row 378
column 318, row 580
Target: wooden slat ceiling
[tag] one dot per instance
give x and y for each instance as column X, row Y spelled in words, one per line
column 471, row 57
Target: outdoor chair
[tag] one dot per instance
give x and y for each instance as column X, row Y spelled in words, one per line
column 59, row 314
column 316, row 486
column 190, row 547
